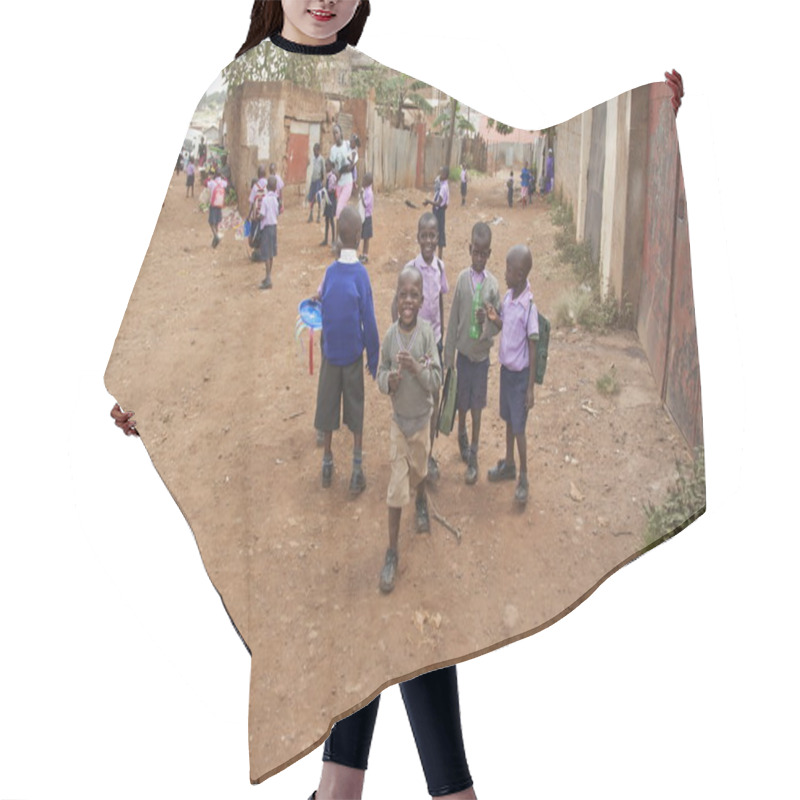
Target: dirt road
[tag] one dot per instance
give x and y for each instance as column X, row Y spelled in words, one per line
column 225, row 407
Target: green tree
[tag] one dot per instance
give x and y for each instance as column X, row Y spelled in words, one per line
column 272, row 64
column 500, row 127
column 444, row 122
column 450, row 121
column 394, row 91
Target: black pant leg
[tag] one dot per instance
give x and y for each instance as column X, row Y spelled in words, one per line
column 433, row 710
column 351, row 738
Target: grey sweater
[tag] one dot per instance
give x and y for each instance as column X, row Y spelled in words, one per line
column 461, row 316
column 413, row 400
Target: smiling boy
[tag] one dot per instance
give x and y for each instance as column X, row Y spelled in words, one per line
column 434, row 285
column 410, row 372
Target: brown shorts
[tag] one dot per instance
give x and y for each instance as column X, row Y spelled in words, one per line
column 409, row 460
column 340, row 391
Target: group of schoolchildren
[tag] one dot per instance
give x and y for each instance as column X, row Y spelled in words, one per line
column 408, row 364
column 332, row 183
column 527, row 182
column 330, row 190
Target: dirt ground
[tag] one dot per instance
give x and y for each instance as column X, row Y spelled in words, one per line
column 225, row 405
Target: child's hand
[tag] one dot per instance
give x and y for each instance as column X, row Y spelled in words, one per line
column 491, row 313
column 316, row 297
column 394, row 381
column 124, row 420
column 480, row 316
column 406, row 361
column 529, row 398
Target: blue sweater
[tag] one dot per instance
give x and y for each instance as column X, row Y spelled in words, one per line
column 348, row 316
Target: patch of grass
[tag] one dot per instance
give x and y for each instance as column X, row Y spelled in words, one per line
column 562, row 216
column 608, row 314
column 685, row 501
column 607, row 383
column 574, row 307
column 583, row 306
column 579, row 256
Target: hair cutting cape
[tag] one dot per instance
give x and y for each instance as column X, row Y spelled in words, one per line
column 225, row 401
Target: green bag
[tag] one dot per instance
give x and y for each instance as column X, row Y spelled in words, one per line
column 447, row 406
column 541, row 348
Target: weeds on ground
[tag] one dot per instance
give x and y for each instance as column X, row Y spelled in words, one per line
column 585, row 304
column 607, row 383
column 561, row 216
column 574, row 307
column 685, row 501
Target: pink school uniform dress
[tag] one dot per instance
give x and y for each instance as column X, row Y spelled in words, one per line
column 369, row 204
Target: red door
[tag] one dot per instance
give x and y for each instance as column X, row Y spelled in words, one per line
column 297, row 158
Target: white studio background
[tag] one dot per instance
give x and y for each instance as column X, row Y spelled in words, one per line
column 120, row 675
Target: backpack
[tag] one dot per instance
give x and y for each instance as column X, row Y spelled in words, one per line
column 542, row 347
column 254, row 217
column 255, row 209
column 542, row 344
column 218, row 195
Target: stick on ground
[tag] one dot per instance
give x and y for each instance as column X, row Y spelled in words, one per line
column 442, row 521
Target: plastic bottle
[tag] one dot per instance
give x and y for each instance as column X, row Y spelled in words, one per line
column 475, row 326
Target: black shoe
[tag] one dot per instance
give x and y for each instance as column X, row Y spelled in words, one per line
column 327, row 474
column 503, row 471
column 433, row 470
column 215, row 241
column 324, row 243
column 521, row 492
column 422, row 520
column 389, row 571
column 265, row 284
column 463, row 445
column 358, row 482
column 471, row 475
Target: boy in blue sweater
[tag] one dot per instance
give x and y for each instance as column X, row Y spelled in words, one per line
column 349, row 328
